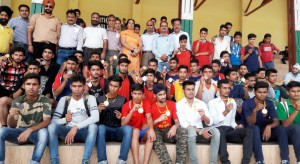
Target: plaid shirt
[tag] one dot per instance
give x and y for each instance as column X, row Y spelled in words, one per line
column 11, row 74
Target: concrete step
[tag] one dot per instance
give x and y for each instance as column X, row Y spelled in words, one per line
column 16, row 154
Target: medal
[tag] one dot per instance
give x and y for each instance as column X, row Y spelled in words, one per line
column 144, row 68
column 168, row 113
column 165, row 67
column 69, row 72
column 140, row 110
column 264, row 111
column 144, row 78
column 243, row 80
column 6, row 55
column 102, row 61
column 90, row 84
column 230, row 101
column 170, row 80
column 115, row 57
column 106, row 103
column 20, row 106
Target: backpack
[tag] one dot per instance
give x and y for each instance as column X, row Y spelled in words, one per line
column 67, row 102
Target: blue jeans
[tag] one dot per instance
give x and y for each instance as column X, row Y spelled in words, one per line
column 294, row 135
column 105, row 133
column 268, row 65
column 62, row 55
column 39, row 138
column 278, row 134
column 87, row 135
column 161, row 66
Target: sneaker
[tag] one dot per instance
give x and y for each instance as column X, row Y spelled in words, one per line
column 285, row 162
column 102, row 162
column 120, row 161
column 260, row 162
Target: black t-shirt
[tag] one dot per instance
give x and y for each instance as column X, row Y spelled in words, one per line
column 108, row 116
column 96, row 91
column 48, row 77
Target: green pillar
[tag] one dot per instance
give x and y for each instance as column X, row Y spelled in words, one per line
column 187, row 13
column 36, row 7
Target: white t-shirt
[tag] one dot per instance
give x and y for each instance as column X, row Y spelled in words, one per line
column 221, row 45
column 78, row 110
column 94, row 37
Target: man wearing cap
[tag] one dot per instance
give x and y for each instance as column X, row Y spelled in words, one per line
column 163, row 113
column 43, row 29
column 293, row 75
column 6, row 33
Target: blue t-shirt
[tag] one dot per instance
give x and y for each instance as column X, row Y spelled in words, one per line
column 67, row 90
column 173, row 77
column 235, row 56
column 195, row 78
column 261, row 121
column 237, row 92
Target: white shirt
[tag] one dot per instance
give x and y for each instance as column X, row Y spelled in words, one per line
column 176, row 40
column 291, row 77
column 71, row 36
column 188, row 115
column 147, row 41
column 216, row 108
column 94, row 37
column 221, row 45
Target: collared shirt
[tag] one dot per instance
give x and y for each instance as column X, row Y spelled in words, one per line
column 19, row 25
column 94, row 37
column 176, row 39
column 45, row 29
column 71, row 36
column 147, row 40
column 291, row 77
column 285, row 109
column 162, row 45
column 189, row 115
column 113, row 40
column 10, row 74
column 6, row 37
column 216, row 108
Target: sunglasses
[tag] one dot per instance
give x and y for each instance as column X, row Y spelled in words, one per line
column 49, row 6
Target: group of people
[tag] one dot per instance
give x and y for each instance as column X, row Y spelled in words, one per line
column 94, row 85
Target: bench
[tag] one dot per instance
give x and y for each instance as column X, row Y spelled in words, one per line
column 21, row 154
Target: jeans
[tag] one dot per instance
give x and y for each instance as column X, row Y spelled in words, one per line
column 294, row 135
column 39, row 138
column 228, row 134
column 194, row 137
column 268, row 65
column 62, row 55
column 161, row 66
column 278, row 134
column 105, row 133
column 87, row 135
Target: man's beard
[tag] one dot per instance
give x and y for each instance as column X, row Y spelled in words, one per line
column 95, row 23
column 48, row 11
column 3, row 21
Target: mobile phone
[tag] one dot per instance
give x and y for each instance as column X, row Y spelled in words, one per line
column 209, row 132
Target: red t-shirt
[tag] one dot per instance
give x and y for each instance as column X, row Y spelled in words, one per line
column 149, row 95
column 184, row 58
column 158, row 111
column 137, row 119
column 125, row 89
column 203, row 47
column 266, row 50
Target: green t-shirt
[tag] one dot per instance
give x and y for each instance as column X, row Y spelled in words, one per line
column 32, row 112
column 282, row 111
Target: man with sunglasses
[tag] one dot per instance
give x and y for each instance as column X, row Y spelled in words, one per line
column 43, row 29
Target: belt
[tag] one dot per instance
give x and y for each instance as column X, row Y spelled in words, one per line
column 147, row 51
column 46, row 42
column 68, row 48
column 93, row 49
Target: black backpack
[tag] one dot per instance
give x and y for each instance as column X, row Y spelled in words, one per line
column 67, row 102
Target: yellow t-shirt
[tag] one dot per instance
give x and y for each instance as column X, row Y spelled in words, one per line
column 178, row 91
column 6, row 37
